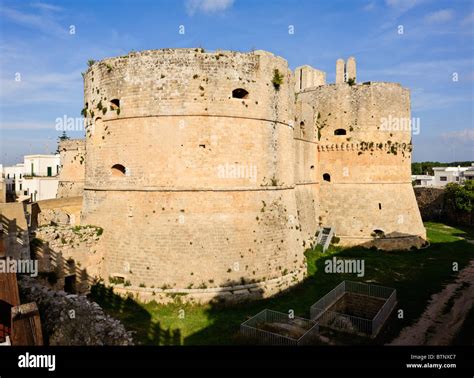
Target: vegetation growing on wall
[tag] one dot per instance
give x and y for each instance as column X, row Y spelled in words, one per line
column 277, row 79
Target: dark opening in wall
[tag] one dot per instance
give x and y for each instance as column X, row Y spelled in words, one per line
column 302, row 128
column 340, row 132
column 118, row 170
column 380, row 206
column 70, row 284
column 327, row 177
column 378, row 233
column 240, row 93
column 115, row 104
column 312, row 167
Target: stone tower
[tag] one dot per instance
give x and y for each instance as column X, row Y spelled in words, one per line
column 364, row 163
column 71, row 176
column 190, row 171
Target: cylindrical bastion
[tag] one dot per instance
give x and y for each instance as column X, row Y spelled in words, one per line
column 190, row 172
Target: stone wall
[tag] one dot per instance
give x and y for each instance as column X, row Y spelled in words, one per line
column 71, row 176
column 72, row 319
column 3, row 191
column 430, row 202
column 59, row 211
column 14, row 236
column 433, row 206
column 69, row 258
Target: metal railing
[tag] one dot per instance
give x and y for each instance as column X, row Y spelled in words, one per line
column 348, row 323
column 253, row 329
column 328, row 300
column 384, row 313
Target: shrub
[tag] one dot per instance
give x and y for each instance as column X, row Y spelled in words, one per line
column 460, row 197
column 277, row 79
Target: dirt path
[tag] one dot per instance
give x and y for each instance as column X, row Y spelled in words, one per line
column 444, row 315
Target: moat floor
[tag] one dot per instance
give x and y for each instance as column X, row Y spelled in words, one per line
column 416, row 275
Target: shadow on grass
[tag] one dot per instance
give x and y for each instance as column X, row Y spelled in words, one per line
column 416, row 275
column 135, row 317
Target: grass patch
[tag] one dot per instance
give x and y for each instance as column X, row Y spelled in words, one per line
column 416, row 275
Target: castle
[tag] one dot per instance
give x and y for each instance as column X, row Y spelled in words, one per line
column 211, row 173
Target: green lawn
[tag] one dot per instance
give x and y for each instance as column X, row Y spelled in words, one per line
column 416, row 275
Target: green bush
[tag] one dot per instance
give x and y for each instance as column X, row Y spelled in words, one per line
column 460, row 197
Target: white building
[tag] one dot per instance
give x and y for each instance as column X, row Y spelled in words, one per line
column 423, row 180
column 35, row 179
column 468, row 174
column 40, row 188
column 13, row 178
column 41, row 165
column 445, row 175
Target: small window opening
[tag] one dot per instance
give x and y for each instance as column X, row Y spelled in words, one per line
column 312, row 167
column 117, row 279
column 327, row 177
column 240, row 93
column 378, row 233
column 380, row 206
column 115, row 104
column 118, row 170
column 340, row 132
column 202, row 145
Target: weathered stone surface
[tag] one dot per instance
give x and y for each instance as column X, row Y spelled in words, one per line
column 73, row 319
column 71, row 177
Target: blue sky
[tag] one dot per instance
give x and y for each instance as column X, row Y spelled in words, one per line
column 41, row 60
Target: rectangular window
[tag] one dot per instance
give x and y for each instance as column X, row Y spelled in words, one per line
column 443, row 178
column 32, row 170
column 21, row 186
column 50, row 171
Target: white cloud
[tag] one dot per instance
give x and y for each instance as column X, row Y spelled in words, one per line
column 461, row 136
column 429, row 100
column 24, row 125
column 43, row 22
column 207, row 6
column 403, row 5
column 369, row 6
column 442, row 15
column 40, row 88
column 47, row 7
column 469, row 19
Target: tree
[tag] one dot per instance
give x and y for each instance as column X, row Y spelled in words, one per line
column 62, row 137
